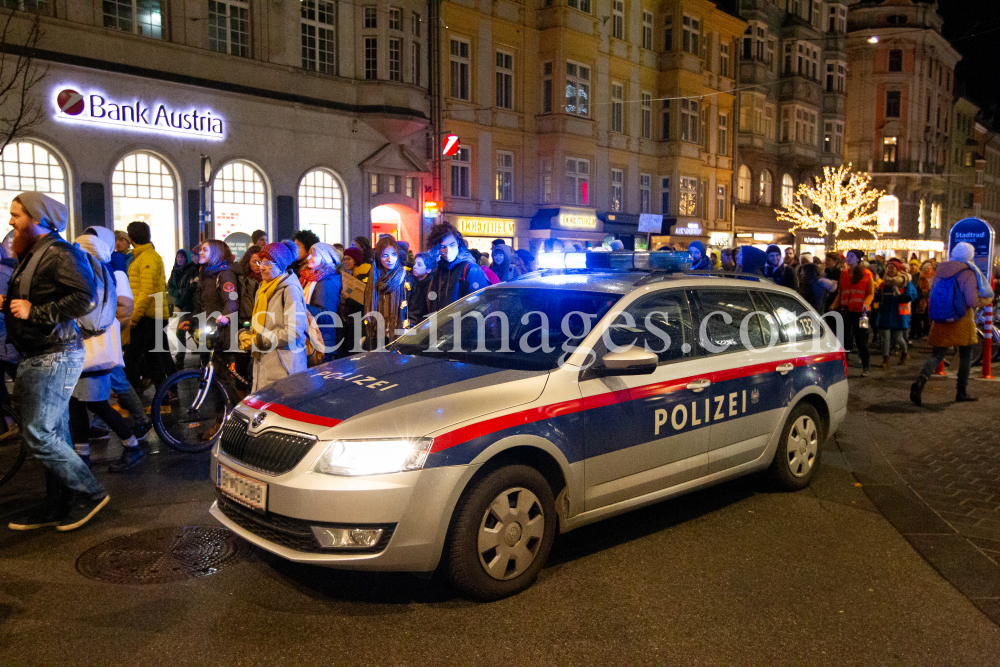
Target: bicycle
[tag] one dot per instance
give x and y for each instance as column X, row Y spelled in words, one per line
column 190, row 408
column 977, row 353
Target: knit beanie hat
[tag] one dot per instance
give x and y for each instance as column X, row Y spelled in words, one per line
column 279, row 254
column 45, row 210
column 962, row 252
column 773, row 248
column 355, row 254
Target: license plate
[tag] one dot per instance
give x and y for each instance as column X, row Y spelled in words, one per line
column 242, row 489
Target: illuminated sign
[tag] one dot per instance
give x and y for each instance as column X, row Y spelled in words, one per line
column 691, row 229
column 450, row 146
column 487, row 227
column 815, row 240
column 96, row 107
column 763, row 237
column 432, row 209
column 719, row 238
column 569, row 218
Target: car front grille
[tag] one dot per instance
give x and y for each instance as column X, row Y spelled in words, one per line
column 285, row 531
column 272, row 452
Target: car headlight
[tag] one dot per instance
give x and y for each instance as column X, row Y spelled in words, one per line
column 377, row 456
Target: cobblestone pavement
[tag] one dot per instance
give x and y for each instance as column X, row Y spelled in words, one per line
column 934, row 471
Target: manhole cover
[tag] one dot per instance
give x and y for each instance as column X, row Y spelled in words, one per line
column 163, row 555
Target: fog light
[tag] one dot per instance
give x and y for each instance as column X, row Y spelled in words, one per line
column 347, row 538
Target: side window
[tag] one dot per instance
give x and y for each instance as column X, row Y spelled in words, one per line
column 726, row 321
column 659, row 322
column 795, row 319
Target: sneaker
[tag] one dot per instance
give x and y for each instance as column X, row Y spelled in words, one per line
column 130, row 458
column 82, row 511
column 141, row 429
column 42, row 516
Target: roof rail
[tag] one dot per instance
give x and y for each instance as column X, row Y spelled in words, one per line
column 658, row 276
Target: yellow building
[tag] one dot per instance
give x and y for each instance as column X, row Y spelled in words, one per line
column 576, row 118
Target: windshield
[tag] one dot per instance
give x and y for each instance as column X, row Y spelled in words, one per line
column 507, row 327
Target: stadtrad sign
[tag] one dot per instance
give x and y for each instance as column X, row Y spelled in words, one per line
column 977, row 233
column 99, row 108
column 486, row 227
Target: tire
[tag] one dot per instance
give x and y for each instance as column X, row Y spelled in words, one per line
column 799, row 449
column 484, row 532
column 182, row 428
column 12, row 450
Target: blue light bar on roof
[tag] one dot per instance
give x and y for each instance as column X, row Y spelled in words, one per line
column 616, row 261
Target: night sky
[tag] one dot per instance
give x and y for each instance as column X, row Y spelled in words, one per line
column 973, row 28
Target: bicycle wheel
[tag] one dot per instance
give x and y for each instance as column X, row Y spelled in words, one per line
column 12, row 451
column 178, row 423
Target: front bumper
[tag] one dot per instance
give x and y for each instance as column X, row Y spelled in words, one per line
column 414, row 508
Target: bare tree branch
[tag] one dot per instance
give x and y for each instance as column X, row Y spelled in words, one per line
column 20, row 75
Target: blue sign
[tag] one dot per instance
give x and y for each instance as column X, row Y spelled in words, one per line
column 979, row 234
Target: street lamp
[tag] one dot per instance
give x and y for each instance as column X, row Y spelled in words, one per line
column 205, row 215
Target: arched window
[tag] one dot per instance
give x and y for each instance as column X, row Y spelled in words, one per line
column 240, row 200
column 142, row 188
column 765, row 187
column 787, row 190
column 743, row 185
column 25, row 166
column 321, row 206
column 888, row 214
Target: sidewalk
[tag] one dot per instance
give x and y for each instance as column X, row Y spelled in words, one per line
column 932, row 471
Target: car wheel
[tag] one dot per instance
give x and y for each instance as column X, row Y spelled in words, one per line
column 798, row 453
column 501, row 533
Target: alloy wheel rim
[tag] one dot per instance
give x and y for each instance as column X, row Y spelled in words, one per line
column 802, row 446
column 510, row 533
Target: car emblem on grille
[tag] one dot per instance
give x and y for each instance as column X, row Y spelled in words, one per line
column 258, row 419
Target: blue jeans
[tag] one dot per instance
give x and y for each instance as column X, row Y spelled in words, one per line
column 41, row 402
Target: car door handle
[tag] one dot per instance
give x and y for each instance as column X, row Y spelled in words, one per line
column 785, row 368
column 699, row 385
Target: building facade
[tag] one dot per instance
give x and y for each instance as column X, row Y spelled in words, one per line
column 986, row 191
column 899, row 117
column 314, row 114
column 792, row 101
column 962, row 160
column 576, row 117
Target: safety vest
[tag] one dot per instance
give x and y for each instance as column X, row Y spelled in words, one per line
column 852, row 295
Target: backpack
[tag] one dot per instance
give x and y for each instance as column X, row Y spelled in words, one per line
column 947, row 302
column 97, row 321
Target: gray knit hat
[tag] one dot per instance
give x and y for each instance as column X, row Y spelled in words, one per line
column 45, row 210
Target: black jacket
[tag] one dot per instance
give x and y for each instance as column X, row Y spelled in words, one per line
column 418, row 299
column 182, row 286
column 784, row 275
column 62, row 289
column 453, row 281
column 216, row 288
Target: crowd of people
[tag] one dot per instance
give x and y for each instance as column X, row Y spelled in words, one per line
column 885, row 301
column 84, row 319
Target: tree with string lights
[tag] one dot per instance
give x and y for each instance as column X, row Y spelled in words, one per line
column 841, row 201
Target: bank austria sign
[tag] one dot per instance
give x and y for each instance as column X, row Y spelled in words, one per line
column 76, row 105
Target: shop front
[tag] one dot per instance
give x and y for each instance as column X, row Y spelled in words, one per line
column 678, row 234
column 762, row 240
column 816, row 245
column 481, row 231
column 556, row 229
column 904, row 249
column 623, row 227
column 116, row 148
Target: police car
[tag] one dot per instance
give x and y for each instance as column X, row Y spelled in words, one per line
column 528, row 409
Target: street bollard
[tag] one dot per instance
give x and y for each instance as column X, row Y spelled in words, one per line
column 940, row 369
column 988, row 344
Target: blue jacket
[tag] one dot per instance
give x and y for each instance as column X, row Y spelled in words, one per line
column 888, row 310
column 752, row 260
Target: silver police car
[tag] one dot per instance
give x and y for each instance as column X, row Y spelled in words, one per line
column 528, row 409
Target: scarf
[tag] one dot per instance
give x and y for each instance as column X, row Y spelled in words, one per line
column 385, row 295
column 264, row 293
column 315, row 275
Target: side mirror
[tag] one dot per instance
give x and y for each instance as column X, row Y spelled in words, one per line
column 633, row 361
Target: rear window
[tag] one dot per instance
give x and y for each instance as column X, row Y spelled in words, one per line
column 796, row 320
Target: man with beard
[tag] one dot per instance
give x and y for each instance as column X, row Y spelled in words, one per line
column 52, row 286
column 457, row 274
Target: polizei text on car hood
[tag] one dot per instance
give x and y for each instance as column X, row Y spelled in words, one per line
column 383, row 394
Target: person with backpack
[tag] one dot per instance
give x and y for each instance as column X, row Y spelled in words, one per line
column 181, row 286
column 457, row 274
column 103, row 353
column 51, row 287
column 957, row 290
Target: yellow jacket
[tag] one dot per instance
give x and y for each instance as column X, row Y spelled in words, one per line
column 147, row 278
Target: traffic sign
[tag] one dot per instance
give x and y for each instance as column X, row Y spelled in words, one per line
column 450, row 144
column 980, row 235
